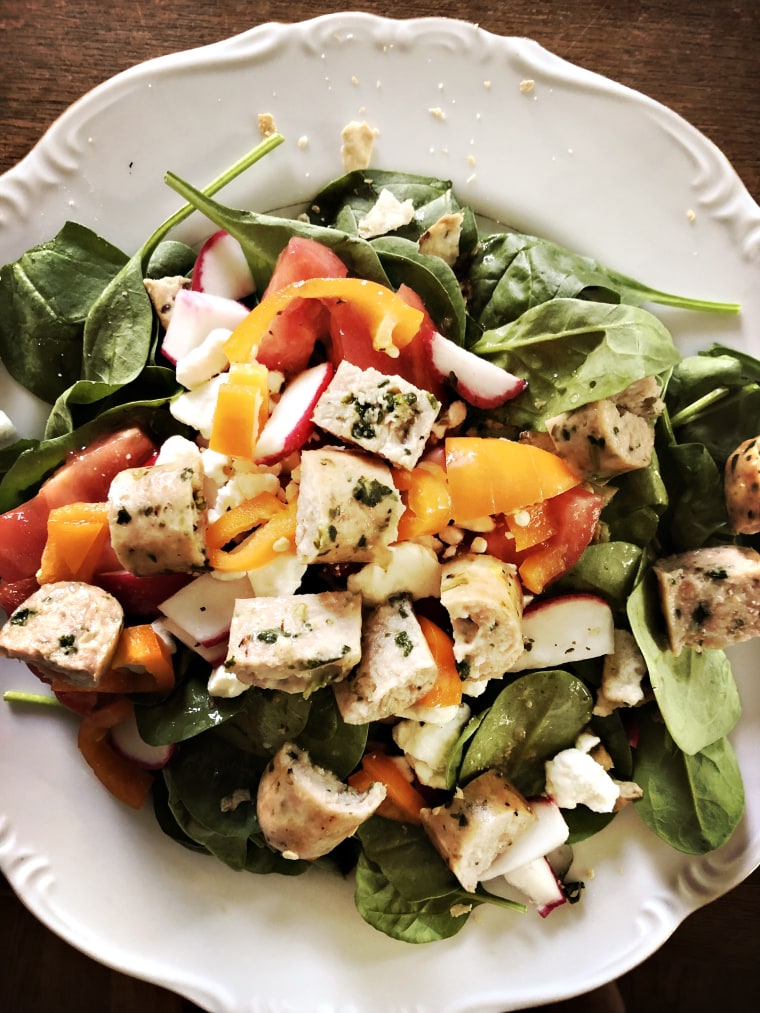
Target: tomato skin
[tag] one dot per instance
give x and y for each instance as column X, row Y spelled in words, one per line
column 574, row 515
column 289, row 343
column 85, row 477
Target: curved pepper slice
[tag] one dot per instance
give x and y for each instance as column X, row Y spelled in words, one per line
column 128, row 782
column 391, row 321
column 276, row 521
column 494, row 476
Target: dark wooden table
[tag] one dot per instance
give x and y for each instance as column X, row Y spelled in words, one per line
column 697, row 56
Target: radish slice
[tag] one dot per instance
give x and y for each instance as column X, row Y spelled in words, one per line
column 204, row 607
column 537, row 881
column 548, row 832
column 290, row 425
column 126, row 739
column 477, row 381
column 221, row 268
column 567, row 628
column 194, row 316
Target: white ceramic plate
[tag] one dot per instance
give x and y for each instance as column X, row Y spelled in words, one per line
column 577, row 158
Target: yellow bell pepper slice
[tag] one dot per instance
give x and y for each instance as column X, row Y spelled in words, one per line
column 392, row 322
column 76, row 535
column 426, row 500
column 242, row 408
column 276, row 532
column 494, row 476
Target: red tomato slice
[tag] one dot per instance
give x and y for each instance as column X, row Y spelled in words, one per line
column 289, row 343
column 85, row 477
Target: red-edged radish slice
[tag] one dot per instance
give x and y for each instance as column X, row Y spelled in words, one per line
column 538, row 882
column 214, row 655
column 290, row 425
column 221, row 268
column 194, row 316
column 126, row 739
column 203, row 608
column 548, row 832
column 567, row 628
column 477, row 381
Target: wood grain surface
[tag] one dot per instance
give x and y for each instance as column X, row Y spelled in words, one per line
column 700, row 58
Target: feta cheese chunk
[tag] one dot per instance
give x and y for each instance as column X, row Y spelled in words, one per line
column 387, row 214
column 385, row 415
column 348, row 507
column 205, row 360
column 410, row 568
column 157, row 519
column 67, row 630
column 396, row 668
column 573, row 778
column 427, row 746
column 295, row 643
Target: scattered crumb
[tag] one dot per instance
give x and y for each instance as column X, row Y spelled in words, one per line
column 354, row 79
column 457, row 910
column 471, row 160
column 303, row 142
column 691, row 214
column 527, row 86
column 267, row 125
column 486, row 84
column 356, row 150
column 437, row 112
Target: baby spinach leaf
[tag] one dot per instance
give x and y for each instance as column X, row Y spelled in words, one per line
column 266, row 720
column 407, row 859
column 170, row 258
column 695, row 691
column 382, row 906
column 430, row 277
column 512, row 272
column 573, row 352
column 692, row 802
column 187, row 711
column 530, row 720
column 263, row 237
column 45, row 298
column 605, row 568
column 583, row 823
column 697, row 512
column 641, row 497
column 328, row 740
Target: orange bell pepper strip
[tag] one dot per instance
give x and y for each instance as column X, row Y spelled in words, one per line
column 76, row 535
column 392, row 322
column 274, row 535
column 494, row 476
column 446, row 691
column 242, row 407
column 402, row 801
column 530, row 526
column 128, row 782
column 426, row 499
column 241, row 518
column 542, row 566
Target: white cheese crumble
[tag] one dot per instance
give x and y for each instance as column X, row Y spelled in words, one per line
column 408, row 567
column 574, row 778
column 223, row 683
column 387, row 214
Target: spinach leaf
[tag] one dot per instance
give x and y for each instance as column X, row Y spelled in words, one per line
column 188, row 711
column 584, row 823
column 263, row 237
column 692, row 802
column 407, row 858
column 697, row 512
column 346, row 200
column 45, row 299
column 430, row 277
column 605, row 568
column 640, row 499
column 530, row 720
column 328, row 740
column 695, row 691
column 573, row 352
column 170, row 258
column 266, row 720
column 424, row 921
column 512, row 272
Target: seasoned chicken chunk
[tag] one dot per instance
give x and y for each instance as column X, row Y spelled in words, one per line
column 348, row 507
column 484, row 600
column 711, row 596
column 396, row 668
column 157, row 518
column 304, row 811
column 68, row 631
column 742, row 487
column 477, row 825
column 384, row 415
column 612, row 436
column 163, row 293
column 295, row 643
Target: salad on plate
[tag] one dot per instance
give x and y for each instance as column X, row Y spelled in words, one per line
column 381, row 538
